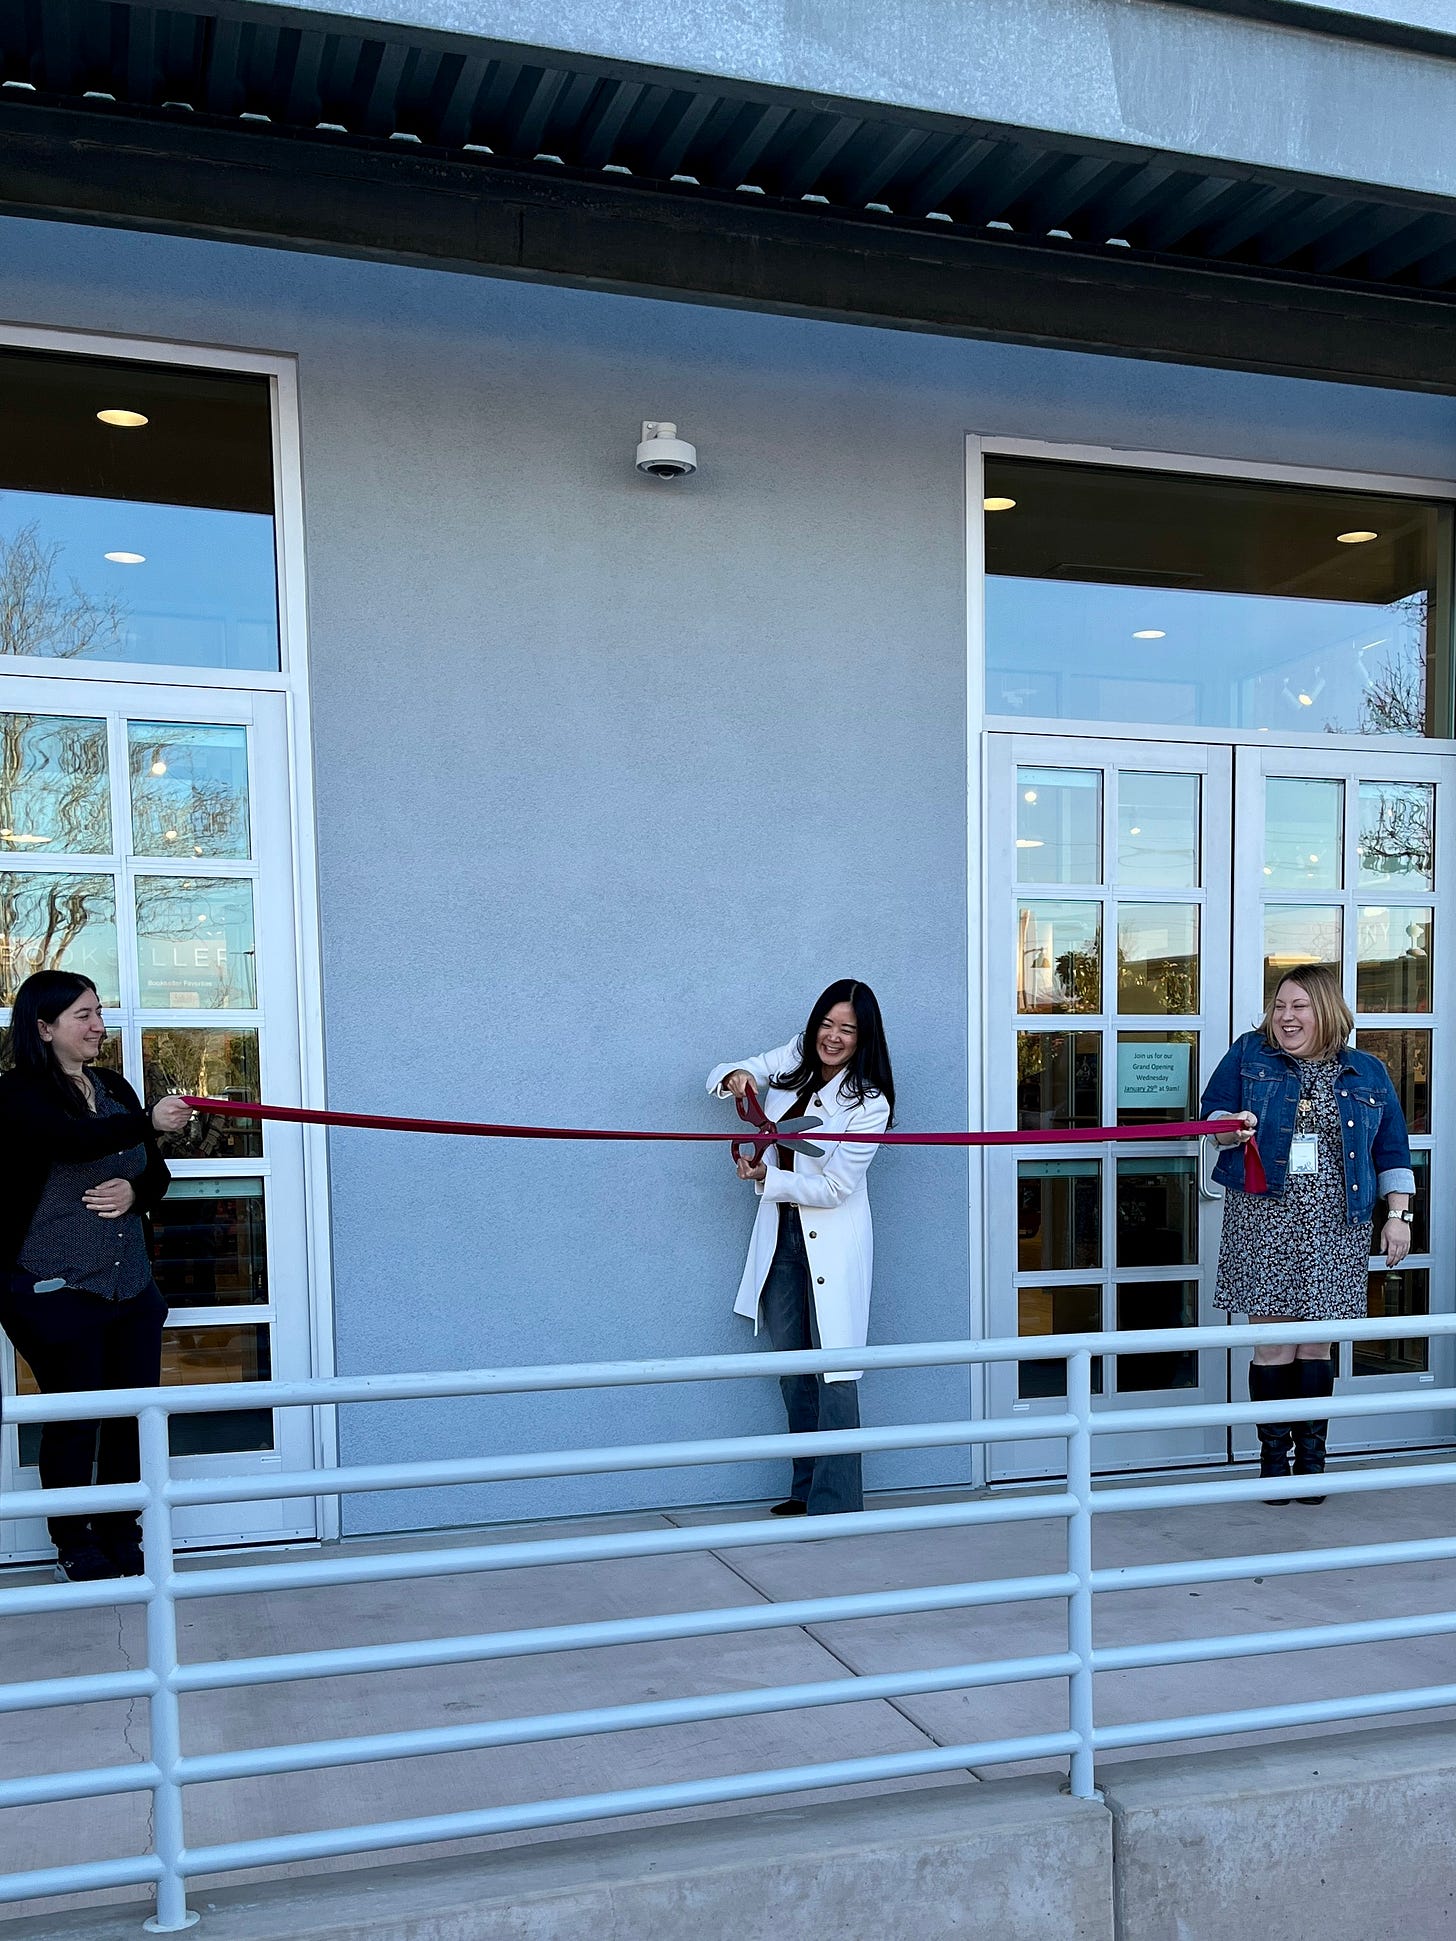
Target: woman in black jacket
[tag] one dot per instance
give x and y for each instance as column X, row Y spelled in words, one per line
column 80, row 1176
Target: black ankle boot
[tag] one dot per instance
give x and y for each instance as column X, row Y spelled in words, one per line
column 1315, row 1378
column 1273, row 1382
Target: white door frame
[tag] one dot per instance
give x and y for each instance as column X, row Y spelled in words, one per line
column 1109, row 756
column 1374, row 762
column 291, row 682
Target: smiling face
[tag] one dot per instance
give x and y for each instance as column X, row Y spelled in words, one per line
column 1292, row 1020
column 77, row 1035
column 836, row 1039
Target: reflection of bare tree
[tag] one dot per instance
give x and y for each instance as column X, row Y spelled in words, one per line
column 1394, row 702
column 53, row 782
column 41, row 615
column 1398, row 841
column 42, row 917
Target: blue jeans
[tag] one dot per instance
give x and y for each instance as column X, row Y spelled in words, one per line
column 827, row 1485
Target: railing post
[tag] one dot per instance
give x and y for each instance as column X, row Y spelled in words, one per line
column 1079, row 1565
column 168, row 1838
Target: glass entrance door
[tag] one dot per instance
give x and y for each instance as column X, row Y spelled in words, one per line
column 1109, row 947
column 145, row 840
column 1345, row 860
column 1152, row 897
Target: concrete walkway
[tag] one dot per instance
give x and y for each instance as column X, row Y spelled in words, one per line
column 236, row 1627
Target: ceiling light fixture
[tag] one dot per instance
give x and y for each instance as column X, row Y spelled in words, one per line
column 1356, row 538
column 159, row 767
column 1306, row 700
column 127, row 559
column 1030, row 796
column 1136, row 830
column 1150, row 633
column 997, row 505
column 1029, row 842
column 124, row 420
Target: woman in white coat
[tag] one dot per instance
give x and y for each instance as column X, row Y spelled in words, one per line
column 807, row 1281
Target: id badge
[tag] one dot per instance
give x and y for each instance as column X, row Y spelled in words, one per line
column 1304, row 1153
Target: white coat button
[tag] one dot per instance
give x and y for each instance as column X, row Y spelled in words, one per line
column 1350, row 1123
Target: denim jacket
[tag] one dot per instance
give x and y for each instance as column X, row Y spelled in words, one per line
column 1253, row 1077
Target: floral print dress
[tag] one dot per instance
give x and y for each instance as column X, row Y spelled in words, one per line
column 1294, row 1254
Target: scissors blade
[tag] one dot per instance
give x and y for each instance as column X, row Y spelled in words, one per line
column 793, row 1127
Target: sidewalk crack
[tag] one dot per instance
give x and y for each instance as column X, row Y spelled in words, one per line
column 811, row 1632
column 129, row 1723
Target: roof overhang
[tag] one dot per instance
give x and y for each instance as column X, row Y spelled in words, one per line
column 295, row 129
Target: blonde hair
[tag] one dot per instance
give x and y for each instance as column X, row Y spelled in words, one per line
column 1334, row 1020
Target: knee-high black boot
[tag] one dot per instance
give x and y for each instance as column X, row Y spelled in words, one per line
column 1315, row 1378
column 1273, row 1382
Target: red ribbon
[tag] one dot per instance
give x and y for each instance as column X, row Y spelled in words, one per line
column 1254, row 1178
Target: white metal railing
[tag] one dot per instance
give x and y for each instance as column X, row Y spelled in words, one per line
column 170, row 1863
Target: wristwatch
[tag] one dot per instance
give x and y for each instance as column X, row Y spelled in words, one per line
column 1404, row 1214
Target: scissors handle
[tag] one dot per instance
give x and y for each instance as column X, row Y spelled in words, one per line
column 753, row 1114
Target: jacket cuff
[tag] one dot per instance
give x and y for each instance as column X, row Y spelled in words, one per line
column 1395, row 1179
column 774, row 1182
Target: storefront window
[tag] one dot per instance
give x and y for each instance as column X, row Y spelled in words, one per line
column 1131, row 596
column 136, row 514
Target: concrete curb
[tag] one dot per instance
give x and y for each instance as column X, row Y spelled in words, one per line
column 1004, row 1860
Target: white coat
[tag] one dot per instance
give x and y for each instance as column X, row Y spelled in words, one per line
column 838, row 1235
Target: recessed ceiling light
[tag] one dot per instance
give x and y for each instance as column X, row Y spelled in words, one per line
column 1029, row 842
column 124, row 420
column 1150, row 633
column 127, row 559
column 1136, row 830
column 997, row 505
column 1267, row 870
column 1359, row 538
column 1030, row 796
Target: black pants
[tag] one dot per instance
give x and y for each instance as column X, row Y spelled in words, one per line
column 827, row 1485
column 78, row 1341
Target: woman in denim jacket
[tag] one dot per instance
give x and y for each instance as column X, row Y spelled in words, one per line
column 1333, row 1141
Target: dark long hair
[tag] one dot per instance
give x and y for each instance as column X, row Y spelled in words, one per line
column 41, row 999
column 869, row 1069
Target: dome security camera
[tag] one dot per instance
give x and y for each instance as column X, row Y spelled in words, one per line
column 662, row 454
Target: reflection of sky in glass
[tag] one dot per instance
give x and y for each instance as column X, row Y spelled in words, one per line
column 1303, row 832
column 189, row 789
column 205, row 594
column 1066, row 650
column 1157, row 830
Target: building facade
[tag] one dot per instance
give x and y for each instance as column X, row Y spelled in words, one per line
column 1057, row 633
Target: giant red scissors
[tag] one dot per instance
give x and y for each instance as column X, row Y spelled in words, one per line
column 768, row 1131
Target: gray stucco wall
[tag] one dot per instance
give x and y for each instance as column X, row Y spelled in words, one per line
column 612, row 777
